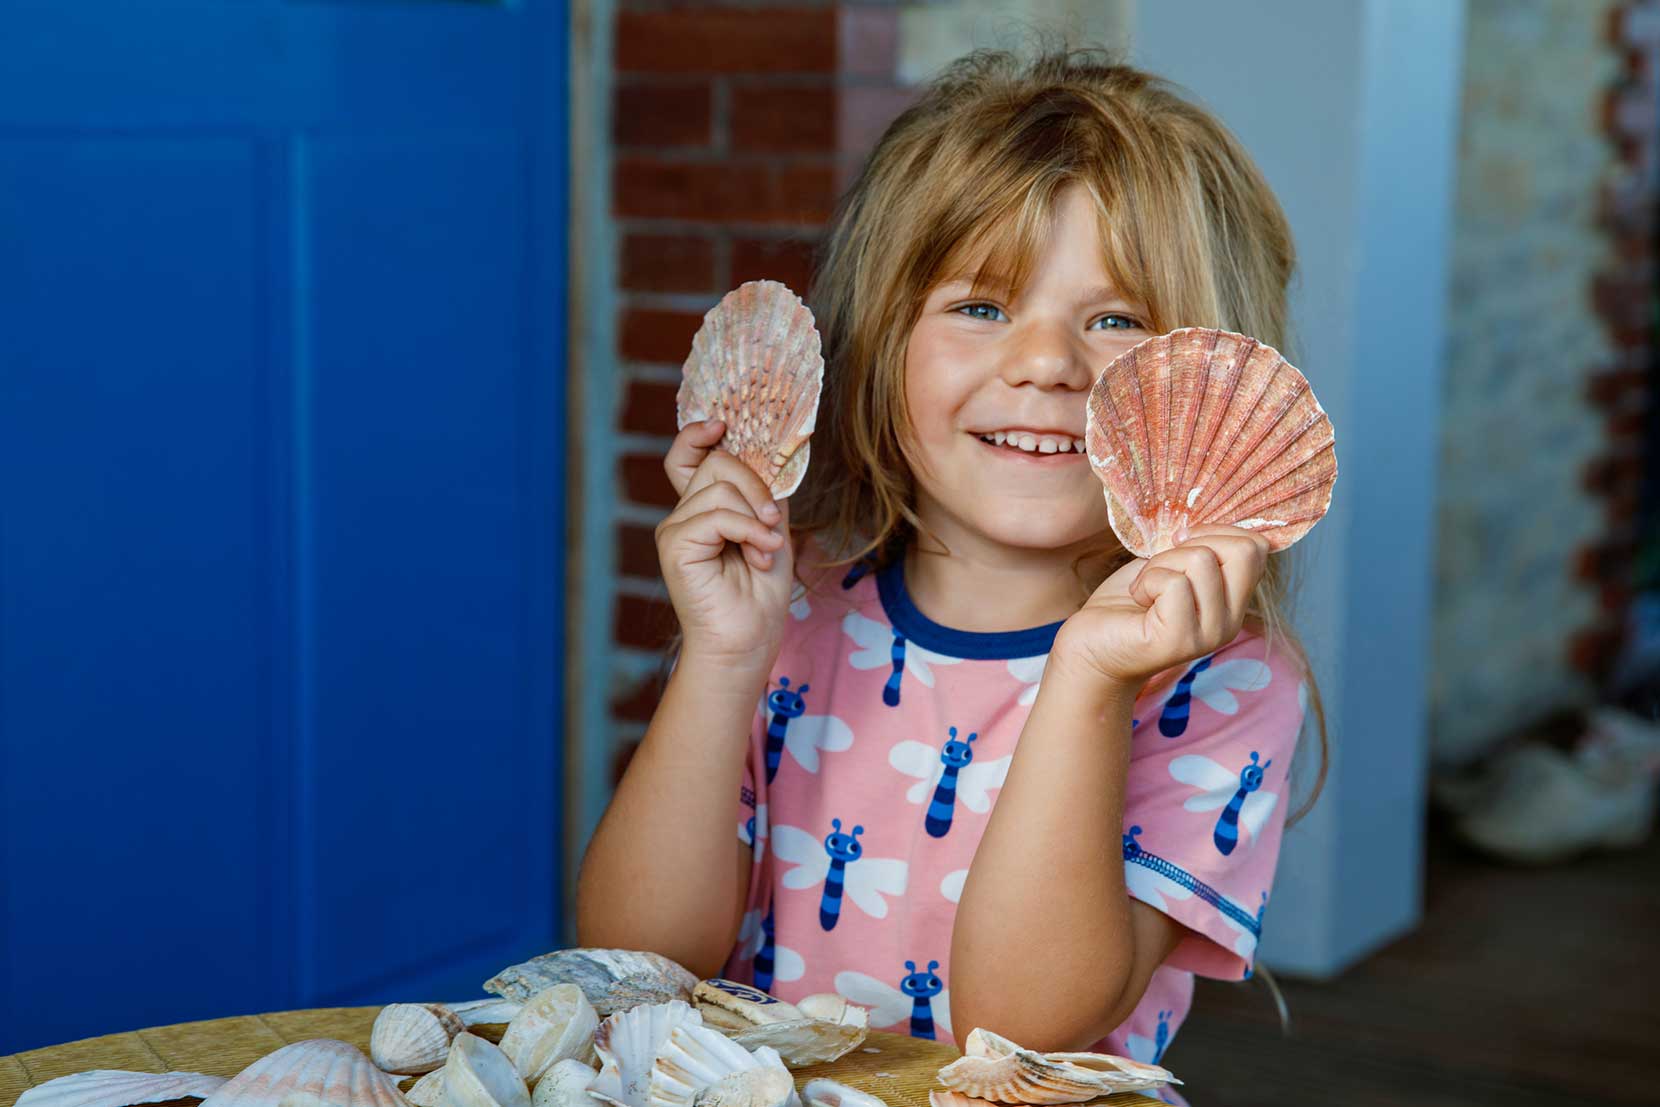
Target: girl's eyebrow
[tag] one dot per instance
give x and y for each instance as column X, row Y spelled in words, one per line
column 998, row 285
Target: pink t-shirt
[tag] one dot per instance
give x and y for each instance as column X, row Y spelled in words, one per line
column 877, row 756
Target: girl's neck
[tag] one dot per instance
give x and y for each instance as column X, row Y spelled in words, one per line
column 983, row 585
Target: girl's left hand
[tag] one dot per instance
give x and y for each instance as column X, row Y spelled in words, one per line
column 1158, row 612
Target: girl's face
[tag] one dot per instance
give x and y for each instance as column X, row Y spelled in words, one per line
column 979, row 369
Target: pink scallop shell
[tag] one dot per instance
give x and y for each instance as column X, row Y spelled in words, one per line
column 1203, row 426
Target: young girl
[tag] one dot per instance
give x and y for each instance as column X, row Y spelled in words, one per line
column 985, row 768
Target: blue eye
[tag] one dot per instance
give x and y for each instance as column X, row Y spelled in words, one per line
column 1125, row 322
column 970, row 309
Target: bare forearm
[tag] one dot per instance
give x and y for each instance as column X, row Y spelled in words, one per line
column 1042, row 946
column 660, row 872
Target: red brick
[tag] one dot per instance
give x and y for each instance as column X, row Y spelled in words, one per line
column 674, row 114
column 639, row 703
column 868, row 40
column 783, row 119
column 652, row 188
column 643, row 623
column 789, row 260
column 668, row 263
column 649, row 408
column 1594, row 649
column 644, row 481
column 637, row 552
column 727, row 40
column 649, row 335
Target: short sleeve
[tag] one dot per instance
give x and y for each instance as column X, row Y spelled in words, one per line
column 1206, row 800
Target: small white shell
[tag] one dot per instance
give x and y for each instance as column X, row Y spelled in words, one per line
column 835, row 1008
column 319, row 1072
column 565, row 1085
column 612, row 979
column 733, row 1006
column 492, row 1010
column 829, row 1093
column 694, row 1057
column 478, row 1074
column 766, row 1086
column 804, row 1041
column 428, row 1091
column 628, row 1044
column 556, row 1025
column 413, row 1038
column 116, row 1088
column 992, row 1067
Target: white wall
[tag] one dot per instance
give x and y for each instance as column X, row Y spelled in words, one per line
column 1351, row 109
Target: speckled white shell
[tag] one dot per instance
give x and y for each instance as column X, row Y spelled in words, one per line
column 994, row 1068
column 565, row 1085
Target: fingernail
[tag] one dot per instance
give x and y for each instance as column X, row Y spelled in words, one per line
column 769, row 510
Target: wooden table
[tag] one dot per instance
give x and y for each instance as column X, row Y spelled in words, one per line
column 896, row 1068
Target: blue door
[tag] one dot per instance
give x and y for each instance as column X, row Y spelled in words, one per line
column 281, row 398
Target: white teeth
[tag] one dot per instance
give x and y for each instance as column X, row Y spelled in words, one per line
column 1046, row 446
column 1034, row 444
column 1000, row 437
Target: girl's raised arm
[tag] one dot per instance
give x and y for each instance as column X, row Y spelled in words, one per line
column 660, row 872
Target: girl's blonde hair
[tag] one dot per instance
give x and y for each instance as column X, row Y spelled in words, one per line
column 973, row 170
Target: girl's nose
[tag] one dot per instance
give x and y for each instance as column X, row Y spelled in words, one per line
column 1048, row 356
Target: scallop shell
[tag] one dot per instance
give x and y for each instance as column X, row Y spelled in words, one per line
column 804, row 1041
column 612, row 979
column 556, row 1025
column 732, row 1006
column 319, row 1072
column 1202, row 426
column 829, row 1005
column 820, row 1092
column 493, row 1010
column 428, row 1091
column 766, row 1086
column 693, row 1057
column 117, row 1088
column 478, row 1074
column 413, row 1038
column 994, row 1068
column 937, row 1098
column 565, row 1085
column 756, row 365
column 628, row 1044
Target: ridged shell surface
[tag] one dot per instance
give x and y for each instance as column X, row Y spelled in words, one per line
column 413, row 1038
column 995, row 1068
column 565, row 1085
column 118, row 1088
column 1203, row 426
column 556, row 1025
column 478, row 1074
column 612, row 979
column 691, row 1058
column 320, row 1072
column 804, row 1041
column 628, row 1044
column 756, row 364
column 759, row 1087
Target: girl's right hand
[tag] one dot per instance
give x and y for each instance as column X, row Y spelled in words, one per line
column 725, row 553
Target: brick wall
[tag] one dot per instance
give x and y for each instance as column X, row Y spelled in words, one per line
column 734, row 129
column 1545, row 389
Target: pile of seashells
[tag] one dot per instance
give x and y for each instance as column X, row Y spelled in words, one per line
column 604, row 1028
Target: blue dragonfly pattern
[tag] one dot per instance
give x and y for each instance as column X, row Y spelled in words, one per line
column 785, row 705
column 839, row 862
column 954, row 757
column 1151, row 1051
column 952, row 774
column 1239, row 795
column 921, row 998
column 1173, row 719
column 801, row 734
column 1213, row 683
column 879, row 644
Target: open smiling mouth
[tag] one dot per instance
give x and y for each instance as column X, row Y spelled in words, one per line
column 1035, row 445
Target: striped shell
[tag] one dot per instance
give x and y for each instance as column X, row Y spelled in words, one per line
column 695, row 1059
column 756, row 365
column 628, row 1044
column 995, row 1068
column 413, row 1038
column 1202, row 426
column 117, row 1088
column 320, row 1072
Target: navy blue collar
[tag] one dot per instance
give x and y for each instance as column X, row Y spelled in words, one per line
column 970, row 645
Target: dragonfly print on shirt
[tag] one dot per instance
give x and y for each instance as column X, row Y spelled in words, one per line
column 1240, row 796
column 802, row 734
column 1150, row 1051
column 950, row 773
column 758, row 944
column 1213, row 685
column 921, row 998
column 840, row 865
column 878, row 644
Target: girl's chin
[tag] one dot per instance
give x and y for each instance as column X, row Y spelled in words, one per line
column 1032, row 526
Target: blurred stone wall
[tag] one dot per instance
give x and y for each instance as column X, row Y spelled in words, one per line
column 1552, row 274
